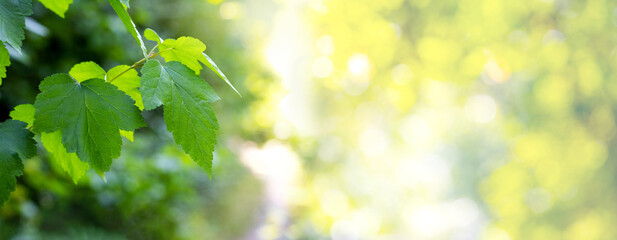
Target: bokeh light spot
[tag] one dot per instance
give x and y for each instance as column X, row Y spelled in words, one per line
column 322, row 67
column 230, row 10
column 481, row 109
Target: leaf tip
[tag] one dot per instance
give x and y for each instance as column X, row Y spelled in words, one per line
column 102, row 176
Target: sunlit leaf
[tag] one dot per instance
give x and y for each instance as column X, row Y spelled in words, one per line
column 86, row 70
column 128, row 135
column 4, row 61
column 127, row 80
column 57, row 6
column 152, row 35
column 68, row 161
column 190, row 52
column 187, row 50
column 24, row 113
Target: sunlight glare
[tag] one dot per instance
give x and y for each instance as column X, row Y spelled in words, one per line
column 334, row 203
column 358, row 64
column 481, row 109
column 402, row 74
column 322, row 67
column 230, row 10
column 325, row 45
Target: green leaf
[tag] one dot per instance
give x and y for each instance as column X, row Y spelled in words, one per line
column 57, row 6
column 13, row 20
column 152, row 35
column 210, row 64
column 4, row 61
column 68, row 161
column 158, row 80
column 188, row 114
column 16, row 139
column 127, row 80
column 24, row 113
column 17, row 145
column 86, row 70
column 53, row 143
column 128, row 23
column 186, row 50
column 89, row 114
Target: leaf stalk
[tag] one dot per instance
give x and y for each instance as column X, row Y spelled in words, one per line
column 140, row 62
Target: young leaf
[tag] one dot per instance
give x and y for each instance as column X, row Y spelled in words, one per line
column 190, row 52
column 185, row 98
column 210, row 64
column 13, row 20
column 86, row 70
column 186, row 50
column 4, row 61
column 89, row 114
column 128, row 82
column 17, row 145
column 57, row 6
column 128, row 23
column 68, row 161
column 24, row 113
column 127, row 134
column 152, row 35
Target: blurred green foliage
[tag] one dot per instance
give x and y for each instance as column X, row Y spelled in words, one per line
column 513, row 101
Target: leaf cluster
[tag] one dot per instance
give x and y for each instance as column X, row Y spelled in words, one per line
column 81, row 116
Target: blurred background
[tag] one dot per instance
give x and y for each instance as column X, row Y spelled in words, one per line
column 360, row 119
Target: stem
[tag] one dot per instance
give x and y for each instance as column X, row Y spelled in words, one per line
column 152, row 51
column 156, row 54
column 135, row 65
column 140, row 62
